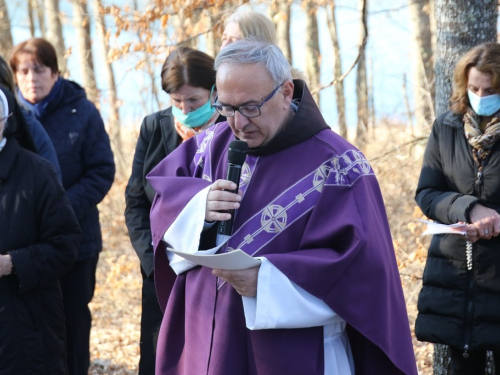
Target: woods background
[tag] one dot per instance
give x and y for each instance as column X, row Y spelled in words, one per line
column 382, row 100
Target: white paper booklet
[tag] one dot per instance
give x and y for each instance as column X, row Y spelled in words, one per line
column 436, row 228
column 233, row 260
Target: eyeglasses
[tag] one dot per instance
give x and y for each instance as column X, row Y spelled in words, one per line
column 249, row 111
column 2, row 119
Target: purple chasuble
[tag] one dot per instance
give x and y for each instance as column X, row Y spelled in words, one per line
column 312, row 206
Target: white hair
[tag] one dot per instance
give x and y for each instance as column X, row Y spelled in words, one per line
column 254, row 25
column 252, row 51
column 4, row 104
column 4, row 111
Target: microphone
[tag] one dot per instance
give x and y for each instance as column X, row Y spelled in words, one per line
column 236, row 156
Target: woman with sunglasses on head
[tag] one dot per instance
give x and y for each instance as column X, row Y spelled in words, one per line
column 188, row 77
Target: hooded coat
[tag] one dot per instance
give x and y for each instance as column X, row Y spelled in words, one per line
column 40, row 232
column 83, row 149
column 42, row 141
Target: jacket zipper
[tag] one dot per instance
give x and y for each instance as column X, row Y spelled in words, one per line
column 471, row 285
column 479, row 178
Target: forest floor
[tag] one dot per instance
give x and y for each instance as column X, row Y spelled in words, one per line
column 396, row 156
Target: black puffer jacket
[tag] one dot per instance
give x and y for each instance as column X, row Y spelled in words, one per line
column 83, row 149
column 458, row 307
column 40, row 231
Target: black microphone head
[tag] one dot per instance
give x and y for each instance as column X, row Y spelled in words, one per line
column 237, row 152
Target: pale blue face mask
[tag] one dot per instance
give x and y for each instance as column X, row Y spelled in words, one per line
column 196, row 118
column 485, row 105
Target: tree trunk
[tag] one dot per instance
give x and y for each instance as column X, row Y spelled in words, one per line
column 213, row 24
column 149, row 65
column 6, row 43
column 114, row 114
column 461, row 25
column 55, row 34
column 407, row 104
column 31, row 17
column 433, row 26
column 38, row 4
column 82, row 26
column 361, row 83
column 216, row 25
column 371, row 98
column 280, row 14
column 337, row 68
column 423, row 64
column 313, row 55
column 180, row 24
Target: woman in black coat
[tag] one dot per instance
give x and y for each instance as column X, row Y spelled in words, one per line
column 38, row 243
column 189, row 78
column 77, row 132
column 459, row 304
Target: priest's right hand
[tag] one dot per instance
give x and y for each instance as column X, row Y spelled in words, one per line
column 220, row 201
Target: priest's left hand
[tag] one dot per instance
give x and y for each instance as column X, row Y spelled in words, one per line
column 243, row 281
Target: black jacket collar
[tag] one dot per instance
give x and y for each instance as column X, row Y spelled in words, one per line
column 455, row 120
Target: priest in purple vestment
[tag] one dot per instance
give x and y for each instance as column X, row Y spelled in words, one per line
column 326, row 297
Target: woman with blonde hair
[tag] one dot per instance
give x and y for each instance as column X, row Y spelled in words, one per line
column 241, row 25
column 251, row 24
column 459, row 304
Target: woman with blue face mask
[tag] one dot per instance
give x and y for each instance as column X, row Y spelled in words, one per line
column 459, row 304
column 188, row 77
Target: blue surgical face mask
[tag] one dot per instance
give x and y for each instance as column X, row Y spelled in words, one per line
column 196, row 118
column 484, row 105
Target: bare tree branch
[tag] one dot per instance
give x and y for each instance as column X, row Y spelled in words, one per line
column 360, row 53
column 397, row 148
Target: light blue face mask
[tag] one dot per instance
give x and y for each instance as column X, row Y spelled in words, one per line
column 198, row 117
column 485, row 105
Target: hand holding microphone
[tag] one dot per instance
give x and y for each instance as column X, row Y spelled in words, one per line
column 221, row 201
column 224, row 197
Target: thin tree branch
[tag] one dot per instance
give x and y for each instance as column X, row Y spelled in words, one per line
column 390, row 10
column 397, row 148
column 360, row 53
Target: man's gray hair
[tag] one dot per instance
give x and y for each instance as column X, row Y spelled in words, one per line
column 252, row 51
